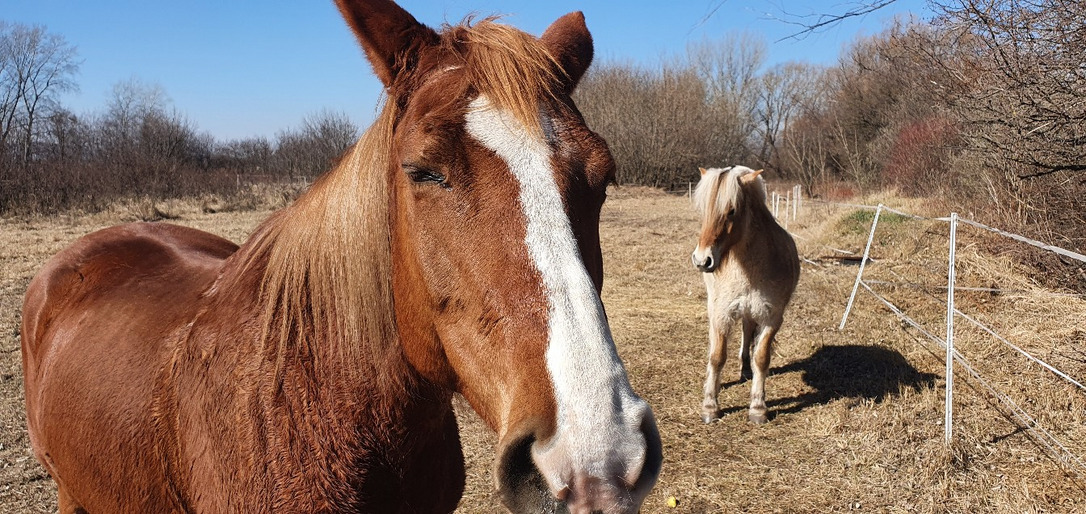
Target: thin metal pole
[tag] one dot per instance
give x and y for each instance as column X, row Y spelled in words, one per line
column 949, row 421
column 863, row 262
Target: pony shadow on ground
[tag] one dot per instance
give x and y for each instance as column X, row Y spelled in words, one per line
column 849, row 371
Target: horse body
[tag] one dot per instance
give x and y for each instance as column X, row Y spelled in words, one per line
column 750, row 267
column 454, row 249
column 167, row 378
column 96, row 325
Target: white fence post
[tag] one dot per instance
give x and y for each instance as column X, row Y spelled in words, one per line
column 787, row 201
column 863, row 262
column 949, row 421
column 795, row 201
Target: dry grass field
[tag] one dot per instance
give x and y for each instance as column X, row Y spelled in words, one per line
column 856, row 416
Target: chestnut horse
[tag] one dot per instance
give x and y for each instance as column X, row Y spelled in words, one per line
column 454, row 249
column 751, row 267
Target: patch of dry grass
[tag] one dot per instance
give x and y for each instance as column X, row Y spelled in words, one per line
column 856, row 415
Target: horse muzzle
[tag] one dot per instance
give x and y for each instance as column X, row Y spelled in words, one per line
column 573, row 473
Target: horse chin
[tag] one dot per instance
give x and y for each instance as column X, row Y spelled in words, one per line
column 520, row 485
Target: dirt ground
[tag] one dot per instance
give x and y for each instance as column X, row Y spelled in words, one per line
column 856, row 416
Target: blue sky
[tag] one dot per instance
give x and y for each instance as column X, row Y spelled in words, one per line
column 240, row 68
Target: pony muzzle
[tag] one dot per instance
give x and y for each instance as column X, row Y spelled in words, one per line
column 704, row 259
column 557, row 476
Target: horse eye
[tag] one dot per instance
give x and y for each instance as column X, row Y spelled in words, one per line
column 419, row 174
column 731, row 212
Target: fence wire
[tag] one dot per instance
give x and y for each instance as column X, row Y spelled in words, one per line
column 1041, row 435
column 1045, row 438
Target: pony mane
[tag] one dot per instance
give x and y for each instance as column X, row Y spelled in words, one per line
column 719, row 190
column 512, row 68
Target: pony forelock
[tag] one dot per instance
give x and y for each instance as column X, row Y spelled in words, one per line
column 720, row 190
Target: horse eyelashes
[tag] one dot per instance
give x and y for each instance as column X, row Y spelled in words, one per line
column 420, row 175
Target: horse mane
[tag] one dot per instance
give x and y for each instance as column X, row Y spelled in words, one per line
column 327, row 264
column 720, row 189
column 327, row 271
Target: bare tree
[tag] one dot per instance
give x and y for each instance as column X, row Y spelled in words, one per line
column 787, row 90
column 661, row 123
column 816, row 21
column 245, row 156
column 130, row 102
column 729, row 67
column 154, row 148
column 804, row 153
column 35, row 67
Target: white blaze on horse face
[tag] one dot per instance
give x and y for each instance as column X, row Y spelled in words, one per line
column 599, row 440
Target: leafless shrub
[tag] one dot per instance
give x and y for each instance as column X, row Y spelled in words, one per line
column 663, row 122
column 138, row 148
column 147, row 209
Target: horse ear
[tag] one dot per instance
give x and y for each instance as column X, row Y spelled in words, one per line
column 702, row 170
column 570, row 43
column 749, row 177
column 390, row 36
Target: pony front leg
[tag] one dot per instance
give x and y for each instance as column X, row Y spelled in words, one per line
column 760, row 361
column 718, row 346
column 744, row 349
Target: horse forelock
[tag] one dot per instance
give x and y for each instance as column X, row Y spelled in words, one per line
column 711, row 197
column 511, row 68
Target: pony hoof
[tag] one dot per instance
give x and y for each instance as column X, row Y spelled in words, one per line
column 708, row 418
column 758, row 418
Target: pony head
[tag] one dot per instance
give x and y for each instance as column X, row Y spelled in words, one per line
column 724, row 198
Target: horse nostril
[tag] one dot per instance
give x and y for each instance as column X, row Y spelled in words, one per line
column 709, row 263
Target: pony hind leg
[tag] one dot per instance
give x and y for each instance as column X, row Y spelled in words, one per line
column 745, row 372
column 760, row 360
column 718, row 346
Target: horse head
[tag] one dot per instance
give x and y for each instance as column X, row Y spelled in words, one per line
column 723, row 197
column 496, row 187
